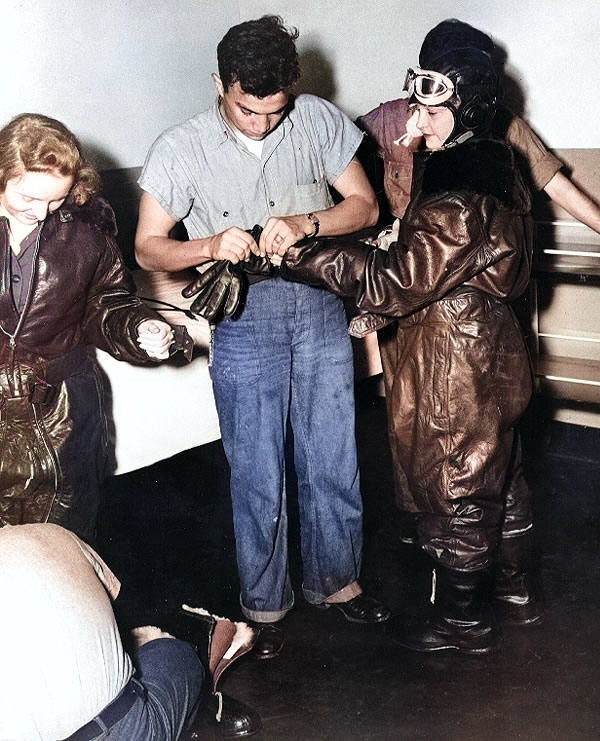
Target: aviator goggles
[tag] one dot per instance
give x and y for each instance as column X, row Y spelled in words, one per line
column 428, row 87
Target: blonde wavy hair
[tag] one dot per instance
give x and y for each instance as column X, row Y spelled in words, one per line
column 32, row 142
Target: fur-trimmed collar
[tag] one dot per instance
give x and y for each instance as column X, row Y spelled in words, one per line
column 483, row 166
column 96, row 212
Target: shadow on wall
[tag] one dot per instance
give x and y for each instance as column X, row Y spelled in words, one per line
column 120, row 189
column 316, row 74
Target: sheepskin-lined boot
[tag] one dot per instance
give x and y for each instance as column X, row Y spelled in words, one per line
column 461, row 619
column 218, row 642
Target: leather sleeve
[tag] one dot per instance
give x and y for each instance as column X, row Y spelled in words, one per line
column 113, row 311
column 338, row 264
column 450, row 243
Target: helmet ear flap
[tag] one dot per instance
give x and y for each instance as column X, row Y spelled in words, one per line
column 474, row 114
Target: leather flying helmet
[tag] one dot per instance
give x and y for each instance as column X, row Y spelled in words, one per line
column 457, row 70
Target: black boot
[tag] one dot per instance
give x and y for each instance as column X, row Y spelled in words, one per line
column 407, row 527
column 516, row 592
column 230, row 717
column 461, row 619
column 269, row 640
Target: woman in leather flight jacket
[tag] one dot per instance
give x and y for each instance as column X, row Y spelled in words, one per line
column 63, row 289
column 458, row 376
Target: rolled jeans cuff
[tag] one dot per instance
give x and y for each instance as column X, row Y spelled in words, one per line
column 346, row 593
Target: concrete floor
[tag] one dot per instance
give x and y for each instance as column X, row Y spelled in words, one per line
column 166, row 532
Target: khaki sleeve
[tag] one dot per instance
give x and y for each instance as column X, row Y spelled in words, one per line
column 542, row 164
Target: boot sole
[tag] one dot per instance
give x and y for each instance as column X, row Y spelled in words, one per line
column 460, row 649
column 471, row 651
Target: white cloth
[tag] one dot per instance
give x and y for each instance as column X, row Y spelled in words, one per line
column 62, row 660
column 160, row 410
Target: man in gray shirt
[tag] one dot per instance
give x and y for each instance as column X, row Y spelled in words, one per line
column 64, row 667
column 263, row 157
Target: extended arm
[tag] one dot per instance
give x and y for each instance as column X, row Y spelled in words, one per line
column 357, row 209
column 567, row 195
column 116, row 320
column 544, row 170
column 156, row 250
column 449, row 246
column 400, row 280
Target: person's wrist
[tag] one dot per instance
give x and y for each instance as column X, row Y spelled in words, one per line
column 316, row 224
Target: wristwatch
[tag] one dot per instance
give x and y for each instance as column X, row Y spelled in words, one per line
column 316, row 224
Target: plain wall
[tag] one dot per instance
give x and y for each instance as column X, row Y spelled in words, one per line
column 118, row 72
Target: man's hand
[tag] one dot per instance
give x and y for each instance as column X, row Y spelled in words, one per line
column 280, row 233
column 156, row 249
column 233, row 244
column 221, row 289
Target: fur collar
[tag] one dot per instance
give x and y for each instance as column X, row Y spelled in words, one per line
column 96, row 212
column 482, row 166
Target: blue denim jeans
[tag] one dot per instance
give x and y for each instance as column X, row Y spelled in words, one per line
column 288, row 358
column 171, row 675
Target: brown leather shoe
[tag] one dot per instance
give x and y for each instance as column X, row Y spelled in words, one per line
column 269, row 640
column 361, row 609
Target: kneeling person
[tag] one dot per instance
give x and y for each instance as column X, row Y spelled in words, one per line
column 64, row 672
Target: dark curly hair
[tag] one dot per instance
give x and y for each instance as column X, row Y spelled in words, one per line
column 32, row 142
column 261, row 55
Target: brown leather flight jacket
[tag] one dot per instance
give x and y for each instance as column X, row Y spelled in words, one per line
column 52, row 425
column 456, row 368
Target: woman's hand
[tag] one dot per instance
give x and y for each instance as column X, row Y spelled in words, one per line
column 155, row 338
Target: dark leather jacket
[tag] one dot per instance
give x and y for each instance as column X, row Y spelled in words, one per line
column 467, row 226
column 456, row 368
column 78, row 289
column 52, row 418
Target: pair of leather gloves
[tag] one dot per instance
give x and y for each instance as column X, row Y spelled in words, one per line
column 338, row 264
column 221, row 289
